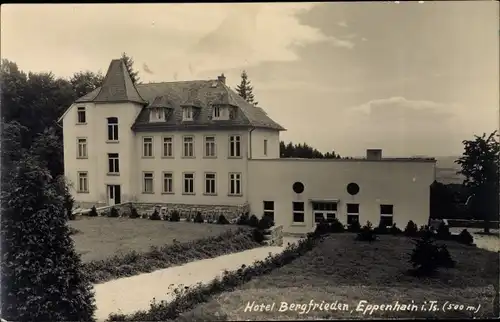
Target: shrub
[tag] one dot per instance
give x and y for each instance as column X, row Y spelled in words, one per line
column 39, row 283
column 243, row 219
column 199, row 218
column 222, row 220
column 443, row 231
column 253, row 221
column 367, row 233
column 93, row 212
column 355, row 227
column 336, row 226
column 258, row 235
column 133, row 213
column 155, row 215
column 187, row 298
column 105, row 214
column 465, row 237
column 381, row 229
column 175, row 216
column 113, row 213
column 322, row 228
column 411, row 229
column 427, row 257
column 144, row 216
column 394, row 230
column 69, row 202
column 265, row 222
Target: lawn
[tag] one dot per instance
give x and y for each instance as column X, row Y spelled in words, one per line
column 102, row 237
column 346, row 271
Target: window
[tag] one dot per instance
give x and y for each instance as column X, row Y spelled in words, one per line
column 265, row 147
column 217, row 112
column 188, row 186
column 235, row 146
column 168, row 147
column 83, row 182
column 147, row 182
column 298, row 212
column 352, row 213
column 269, row 209
column 210, row 186
column 82, row 148
column 386, row 215
column 81, row 115
column 112, row 129
column 187, row 113
column 235, row 184
column 147, row 147
column 168, row 182
column 210, row 151
column 324, row 211
column 188, row 150
column 113, row 163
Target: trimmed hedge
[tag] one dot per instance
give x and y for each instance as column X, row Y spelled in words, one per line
column 189, row 297
column 175, row 254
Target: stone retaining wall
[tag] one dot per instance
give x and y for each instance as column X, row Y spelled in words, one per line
column 274, row 236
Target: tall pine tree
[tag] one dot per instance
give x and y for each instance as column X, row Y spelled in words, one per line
column 129, row 63
column 245, row 90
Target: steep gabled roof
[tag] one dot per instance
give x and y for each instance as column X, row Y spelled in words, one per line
column 116, row 87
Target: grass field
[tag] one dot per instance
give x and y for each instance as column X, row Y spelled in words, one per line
column 346, row 271
column 102, row 237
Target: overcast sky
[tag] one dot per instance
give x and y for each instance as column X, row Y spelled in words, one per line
column 410, row 78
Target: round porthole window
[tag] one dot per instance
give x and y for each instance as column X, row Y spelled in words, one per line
column 352, row 188
column 298, row 187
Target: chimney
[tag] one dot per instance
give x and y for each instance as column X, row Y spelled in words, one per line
column 222, row 78
column 374, row 154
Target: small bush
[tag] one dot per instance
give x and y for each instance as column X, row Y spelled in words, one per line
column 443, row 231
column 355, row 227
column 243, row 219
column 258, row 236
column 93, row 212
column 113, row 213
column 336, row 226
column 199, row 218
column 444, row 257
column 175, row 216
column 133, row 213
column 222, row 220
column 367, row 233
column 105, row 214
column 253, row 221
column 144, row 216
column 322, row 228
column 411, row 229
column 465, row 237
column 155, row 215
column 265, row 223
column 427, row 257
column 394, row 230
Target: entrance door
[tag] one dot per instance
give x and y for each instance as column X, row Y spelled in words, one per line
column 326, row 210
column 114, row 194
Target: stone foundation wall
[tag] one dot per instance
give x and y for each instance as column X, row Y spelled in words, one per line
column 274, row 236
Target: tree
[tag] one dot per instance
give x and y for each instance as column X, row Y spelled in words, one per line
column 129, row 63
column 245, row 90
column 48, row 147
column 442, row 201
column 303, row 150
column 85, row 82
column 42, row 275
column 479, row 164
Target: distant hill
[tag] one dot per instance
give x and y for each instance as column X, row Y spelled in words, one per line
column 446, row 170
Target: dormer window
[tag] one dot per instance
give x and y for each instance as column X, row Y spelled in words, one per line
column 187, row 113
column 217, row 112
column 159, row 114
column 220, row 112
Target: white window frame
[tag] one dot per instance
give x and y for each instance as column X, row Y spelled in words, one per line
column 168, row 176
column 144, row 147
column 168, row 141
column 268, row 211
column 303, row 212
column 83, row 182
column 114, row 129
column 325, row 212
column 234, row 142
column 235, row 177
column 265, row 147
column 148, row 176
column 184, row 186
column 188, row 140
column 210, row 177
column 81, row 110
column 187, row 113
column 82, row 151
column 116, row 163
column 351, row 213
column 210, row 147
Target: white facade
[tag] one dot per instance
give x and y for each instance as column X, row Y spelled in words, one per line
column 162, row 166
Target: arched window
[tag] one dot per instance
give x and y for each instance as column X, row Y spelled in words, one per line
column 112, row 129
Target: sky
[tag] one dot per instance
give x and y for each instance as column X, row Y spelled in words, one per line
column 409, row 78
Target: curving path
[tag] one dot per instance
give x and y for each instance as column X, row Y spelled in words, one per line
column 131, row 294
